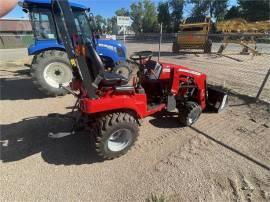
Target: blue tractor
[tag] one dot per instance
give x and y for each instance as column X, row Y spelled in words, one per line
column 50, row 66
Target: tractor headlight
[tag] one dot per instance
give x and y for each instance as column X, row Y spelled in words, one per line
column 120, row 52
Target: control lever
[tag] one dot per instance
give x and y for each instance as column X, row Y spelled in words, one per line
column 68, row 90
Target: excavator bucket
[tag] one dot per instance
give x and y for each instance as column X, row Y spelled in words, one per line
column 217, row 100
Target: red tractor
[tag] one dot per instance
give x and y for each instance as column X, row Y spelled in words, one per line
column 112, row 108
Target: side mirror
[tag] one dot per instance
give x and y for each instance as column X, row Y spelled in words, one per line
column 97, row 36
column 91, row 16
column 25, row 10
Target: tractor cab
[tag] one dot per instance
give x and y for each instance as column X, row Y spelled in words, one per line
column 81, row 52
column 44, row 29
column 50, row 65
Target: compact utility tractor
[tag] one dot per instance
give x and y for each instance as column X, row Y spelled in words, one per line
column 50, row 66
column 110, row 107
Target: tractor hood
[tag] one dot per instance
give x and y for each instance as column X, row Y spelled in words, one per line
column 112, row 46
column 185, row 70
column 110, row 42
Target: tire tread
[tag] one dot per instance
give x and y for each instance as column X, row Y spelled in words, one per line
column 106, row 123
column 36, row 69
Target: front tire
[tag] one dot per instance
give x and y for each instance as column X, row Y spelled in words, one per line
column 189, row 113
column 122, row 70
column 49, row 69
column 115, row 134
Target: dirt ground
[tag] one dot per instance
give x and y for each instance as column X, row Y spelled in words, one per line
column 223, row 157
column 242, row 74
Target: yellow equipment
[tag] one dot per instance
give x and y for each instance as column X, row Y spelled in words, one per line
column 194, row 35
column 249, row 31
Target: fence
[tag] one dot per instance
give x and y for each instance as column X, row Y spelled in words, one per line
column 15, row 41
column 241, row 67
column 240, row 71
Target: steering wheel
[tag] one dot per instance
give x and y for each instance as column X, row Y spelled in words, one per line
column 142, row 55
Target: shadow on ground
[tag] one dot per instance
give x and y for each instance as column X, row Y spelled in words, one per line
column 30, row 136
column 19, row 89
column 166, row 120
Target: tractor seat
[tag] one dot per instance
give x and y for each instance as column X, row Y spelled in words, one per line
column 156, row 69
column 113, row 79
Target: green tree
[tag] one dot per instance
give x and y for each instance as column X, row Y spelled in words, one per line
column 218, row 9
column 136, row 14
column 233, row 12
column 150, row 22
column 214, row 8
column 100, row 23
column 112, row 27
column 201, row 7
column 144, row 16
column 122, row 12
column 164, row 15
column 177, row 7
column 255, row 10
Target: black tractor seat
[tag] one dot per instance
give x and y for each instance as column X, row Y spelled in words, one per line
column 113, row 79
column 155, row 68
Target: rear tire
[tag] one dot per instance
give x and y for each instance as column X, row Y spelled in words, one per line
column 49, row 69
column 189, row 113
column 115, row 134
column 208, row 46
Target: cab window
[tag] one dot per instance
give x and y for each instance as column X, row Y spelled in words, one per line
column 43, row 25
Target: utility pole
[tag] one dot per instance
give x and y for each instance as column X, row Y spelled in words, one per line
column 160, row 41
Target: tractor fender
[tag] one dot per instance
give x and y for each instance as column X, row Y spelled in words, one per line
column 113, row 50
column 135, row 103
column 44, row 45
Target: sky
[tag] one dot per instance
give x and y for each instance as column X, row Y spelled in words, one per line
column 105, row 8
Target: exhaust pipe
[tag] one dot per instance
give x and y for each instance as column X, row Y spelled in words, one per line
column 217, row 100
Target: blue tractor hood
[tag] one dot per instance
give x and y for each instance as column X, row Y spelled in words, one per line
column 110, row 42
column 112, row 48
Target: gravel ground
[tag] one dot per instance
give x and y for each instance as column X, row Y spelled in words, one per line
column 223, row 157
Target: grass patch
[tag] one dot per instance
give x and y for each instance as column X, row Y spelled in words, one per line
column 155, row 198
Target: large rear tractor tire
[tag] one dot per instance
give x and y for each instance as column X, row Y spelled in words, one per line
column 49, row 69
column 207, row 46
column 189, row 113
column 175, row 47
column 115, row 133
